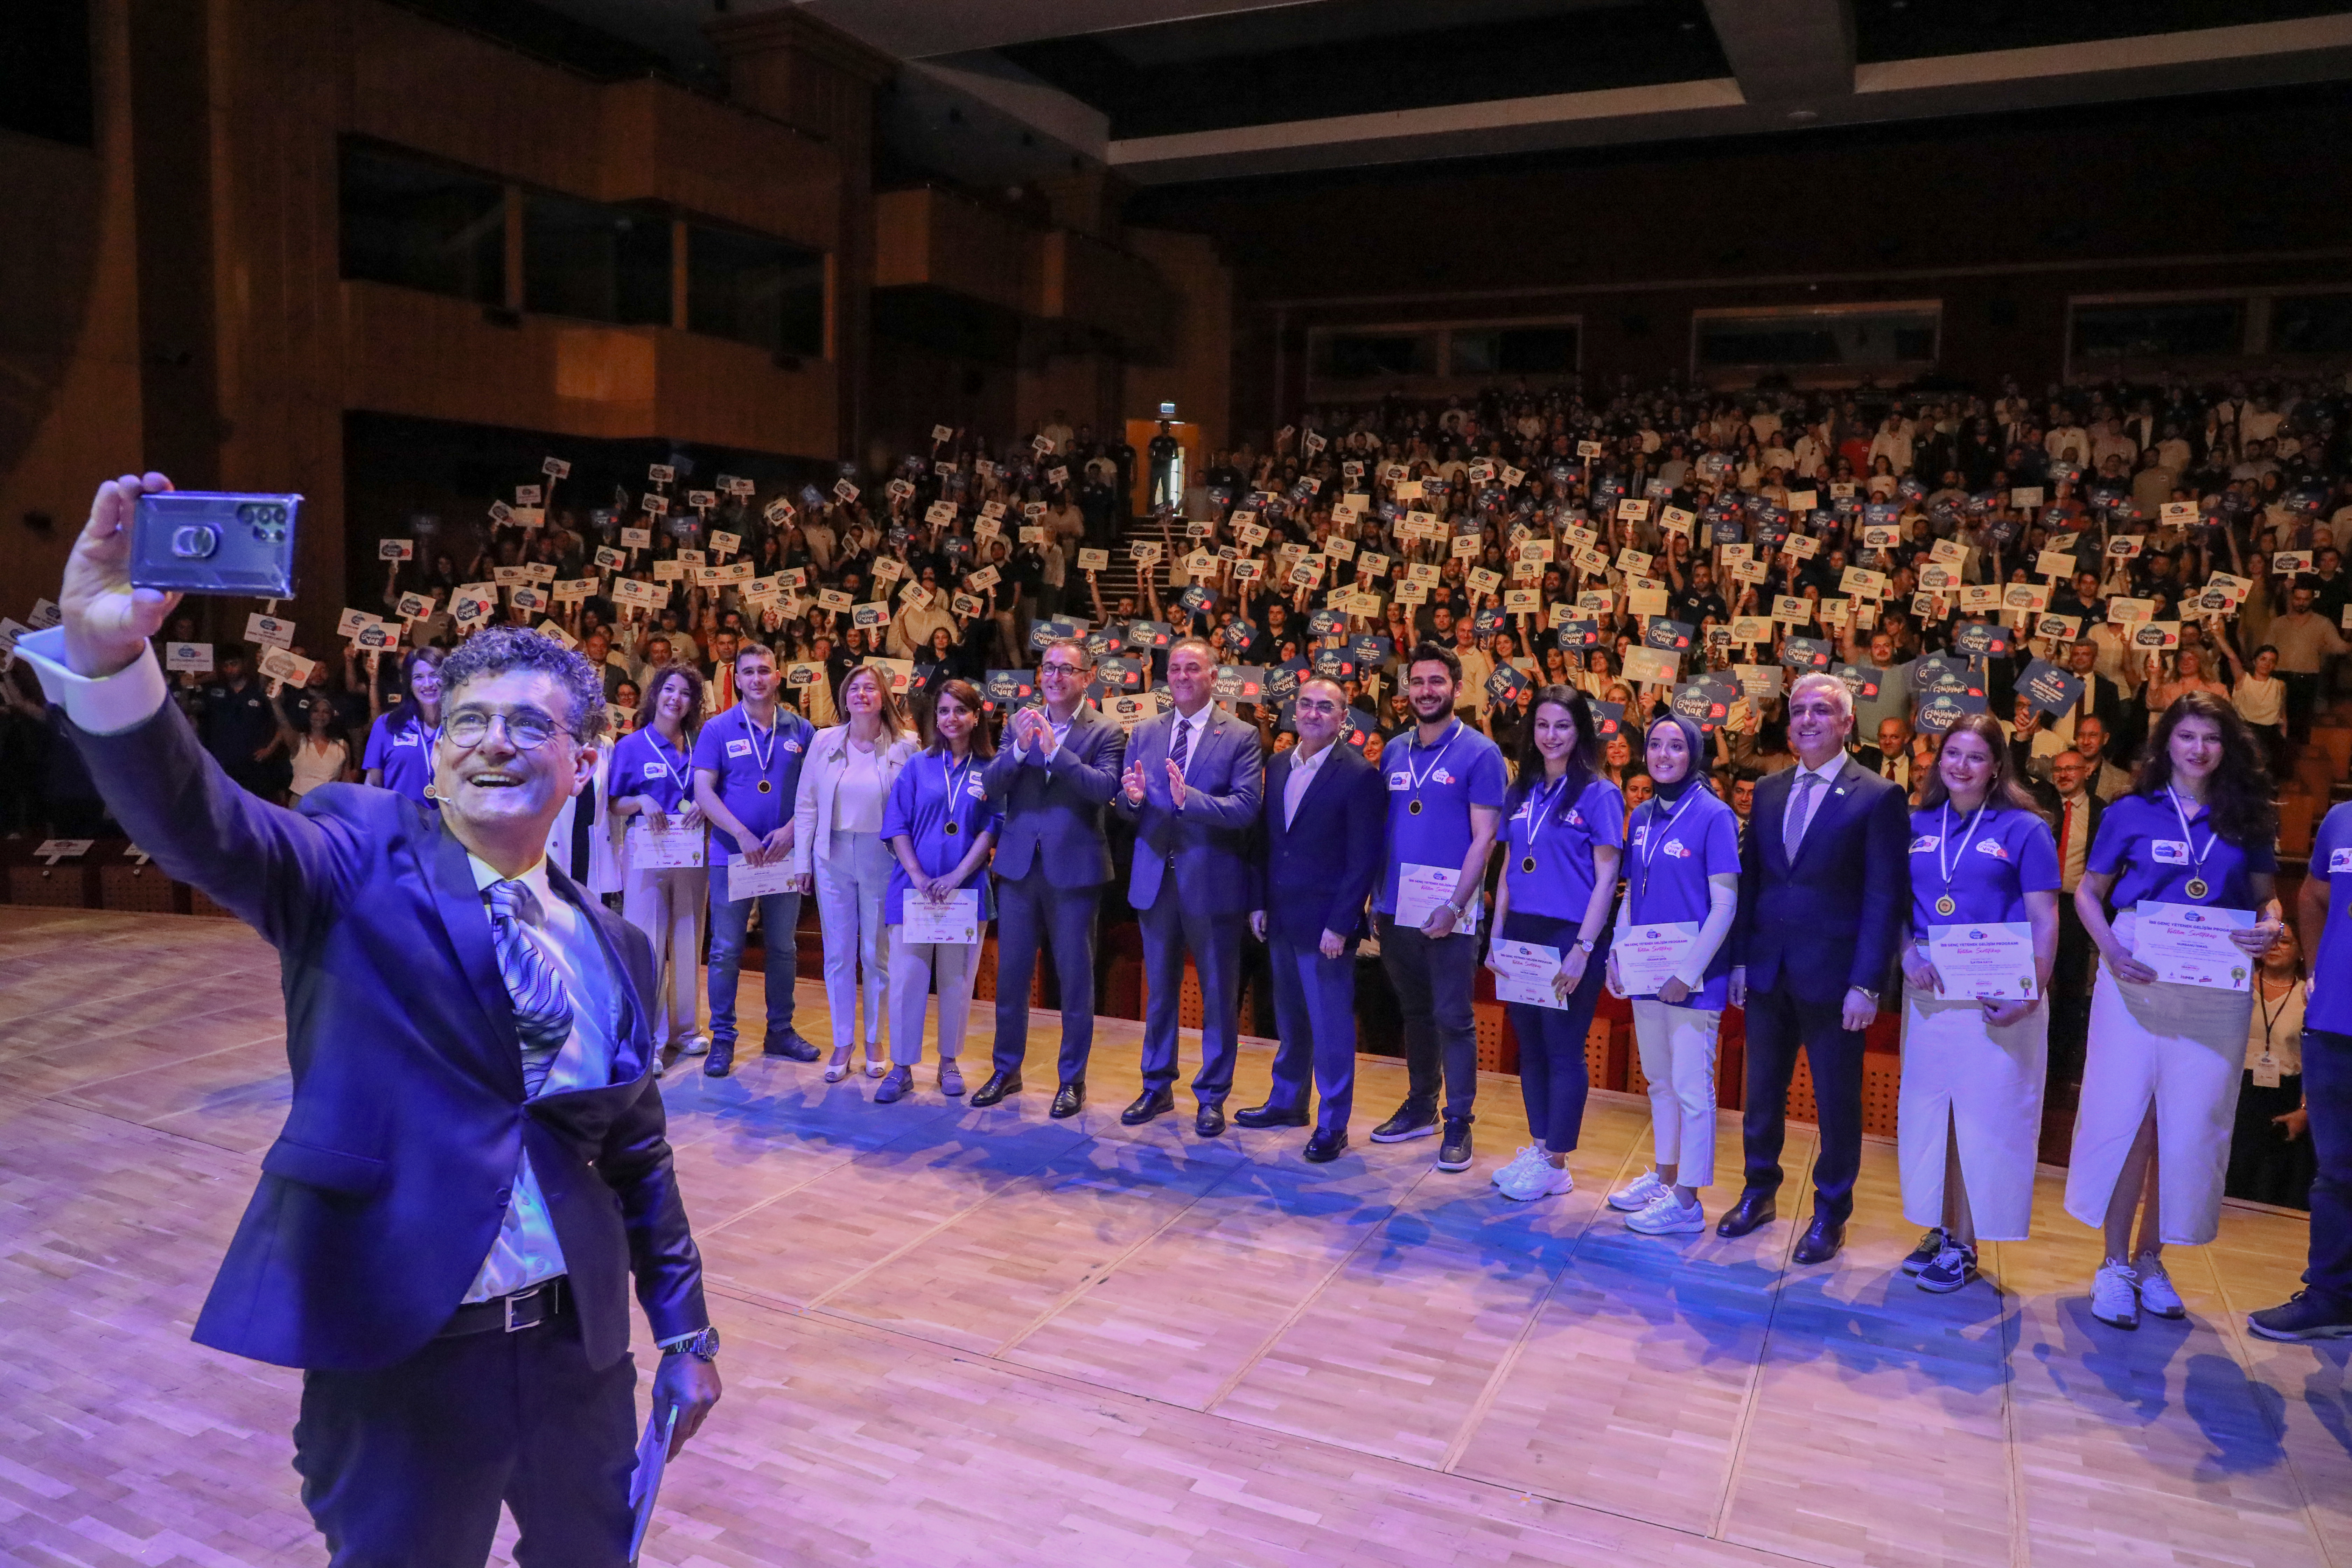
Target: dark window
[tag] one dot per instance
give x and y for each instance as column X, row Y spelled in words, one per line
column 599, row 263
column 2312, row 324
column 1515, row 350
column 1362, row 356
column 45, row 71
column 423, row 226
column 2163, row 330
column 1857, row 338
column 755, row 290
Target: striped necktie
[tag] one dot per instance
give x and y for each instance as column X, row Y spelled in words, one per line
column 542, row 1007
column 1178, row 753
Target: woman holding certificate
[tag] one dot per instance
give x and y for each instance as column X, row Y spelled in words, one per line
column 1564, row 832
column 1669, row 955
column 662, row 858
column 2186, row 861
column 1976, row 1036
column 837, row 840
column 940, row 827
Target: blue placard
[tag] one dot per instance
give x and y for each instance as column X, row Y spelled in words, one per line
column 1326, row 623
column 1578, row 635
column 1149, row 634
column 1488, row 621
column 1661, row 633
column 1042, row 633
column 1005, row 687
column 1370, row 649
column 1196, row 598
column 1608, row 719
column 1335, row 663
column 1125, row 673
column 1807, row 653
column 1934, row 715
column 1282, row 680
column 2047, row 687
column 1940, row 674
column 1981, row 639
column 1860, row 679
column 1507, row 682
column 1239, row 683
column 1236, row 635
column 1706, row 701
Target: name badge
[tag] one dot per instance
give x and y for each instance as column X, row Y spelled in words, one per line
column 1924, row 844
column 655, row 770
column 2168, row 851
column 1400, row 781
column 2340, row 860
column 738, row 748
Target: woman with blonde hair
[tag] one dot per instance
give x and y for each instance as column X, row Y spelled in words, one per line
column 839, row 853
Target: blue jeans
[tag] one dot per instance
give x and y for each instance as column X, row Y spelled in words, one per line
column 2327, row 1096
column 780, row 913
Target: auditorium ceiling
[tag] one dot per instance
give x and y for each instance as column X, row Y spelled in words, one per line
column 1174, row 90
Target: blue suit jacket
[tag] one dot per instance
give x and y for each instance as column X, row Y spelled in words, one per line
column 1054, row 810
column 385, row 1189
column 1317, row 872
column 1832, row 920
column 1207, row 844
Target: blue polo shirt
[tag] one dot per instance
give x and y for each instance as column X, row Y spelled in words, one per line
column 645, row 765
column 744, row 756
column 2141, row 844
column 2004, row 855
column 1559, row 836
column 943, row 809
column 1672, row 848
column 401, row 743
column 1462, row 770
column 2330, row 1008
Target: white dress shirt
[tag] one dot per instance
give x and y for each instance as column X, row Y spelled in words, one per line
column 1303, row 769
column 2073, row 826
column 1196, row 726
column 1827, row 773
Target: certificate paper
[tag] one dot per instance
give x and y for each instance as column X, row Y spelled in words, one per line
column 1649, row 956
column 2189, row 944
column 1523, row 973
column 745, row 880
column 652, row 848
column 1422, row 889
column 1993, row 961
column 955, row 918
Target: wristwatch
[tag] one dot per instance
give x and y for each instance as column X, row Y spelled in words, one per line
column 1586, row 946
column 702, row 1345
column 1867, row 994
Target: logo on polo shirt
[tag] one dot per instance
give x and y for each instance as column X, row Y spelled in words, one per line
column 792, row 745
column 1997, row 851
column 1674, row 847
column 1924, row 844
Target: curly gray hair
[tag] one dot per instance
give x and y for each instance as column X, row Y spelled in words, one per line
column 494, row 650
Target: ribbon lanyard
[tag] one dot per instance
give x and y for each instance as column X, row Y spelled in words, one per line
column 1411, row 748
column 952, row 780
column 677, row 775
column 753, row 730
column 2271, row 1016
column 1948, row 904
column 1662, row 822
column 1538, row 812
column 2196, row 887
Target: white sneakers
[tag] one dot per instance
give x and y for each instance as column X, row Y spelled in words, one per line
column 1532, row 1154
column 2115, row 1295
column 2156, row 1292
column 1639, row 1194
column 1667, row 1215
column 1541, row 1179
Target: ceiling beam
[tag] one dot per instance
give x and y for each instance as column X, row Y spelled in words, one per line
column 1787, row 52
column 917, row 29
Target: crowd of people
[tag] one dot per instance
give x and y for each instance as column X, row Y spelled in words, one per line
column 1816, row 706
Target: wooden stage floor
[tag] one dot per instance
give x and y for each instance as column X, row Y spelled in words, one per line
column 961, row 1337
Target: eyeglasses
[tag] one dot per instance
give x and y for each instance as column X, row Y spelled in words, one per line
column 1059, row 668
column 526, row 731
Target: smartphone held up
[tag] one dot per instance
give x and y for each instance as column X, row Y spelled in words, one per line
column 200, row 542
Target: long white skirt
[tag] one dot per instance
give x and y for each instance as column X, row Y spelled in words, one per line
column 2181, row 1048
column 1961, row 1076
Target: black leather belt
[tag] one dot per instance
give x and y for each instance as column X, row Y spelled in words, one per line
column 542, row 1303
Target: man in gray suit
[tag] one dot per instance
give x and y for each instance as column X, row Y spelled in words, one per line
column 1057, row 766
column 1192, row 790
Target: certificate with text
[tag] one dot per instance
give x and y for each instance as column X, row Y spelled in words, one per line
column 667, row 848
column 1524, row 971
column 745, row 880
column 1650, row 955
column 1422, row 889
column 952, row 916
column 2189, row 944
column 1992, row 962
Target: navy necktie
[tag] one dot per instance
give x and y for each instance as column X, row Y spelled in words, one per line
column 1183, row 741
column 542, row 1007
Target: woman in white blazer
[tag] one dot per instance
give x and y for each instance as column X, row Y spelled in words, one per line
column 837, row 849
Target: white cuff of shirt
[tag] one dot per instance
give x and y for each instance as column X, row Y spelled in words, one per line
column 108, row 705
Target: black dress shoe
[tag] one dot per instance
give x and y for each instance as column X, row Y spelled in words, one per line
column 721, row 1060
column 1325, row 1147
column 1269, row 1116
column 790, row 1046
column 1069, row 1099
column 1754, row 1211
column 1821, row 1241
column 1211, row 1121
column 1151, row 1102
column 998, row 1086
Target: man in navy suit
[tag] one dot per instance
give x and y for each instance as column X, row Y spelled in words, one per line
column 475, row 1163
column 1319, row 847
column 1823, row 880
column 1191, row 791
column 1057, row 767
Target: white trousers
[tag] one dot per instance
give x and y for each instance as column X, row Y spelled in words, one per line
column 852, row 872
column 2181, row 1048
column 1962, row 1077
column 669, row 906
column 912, row 965
column 1678, row 1046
